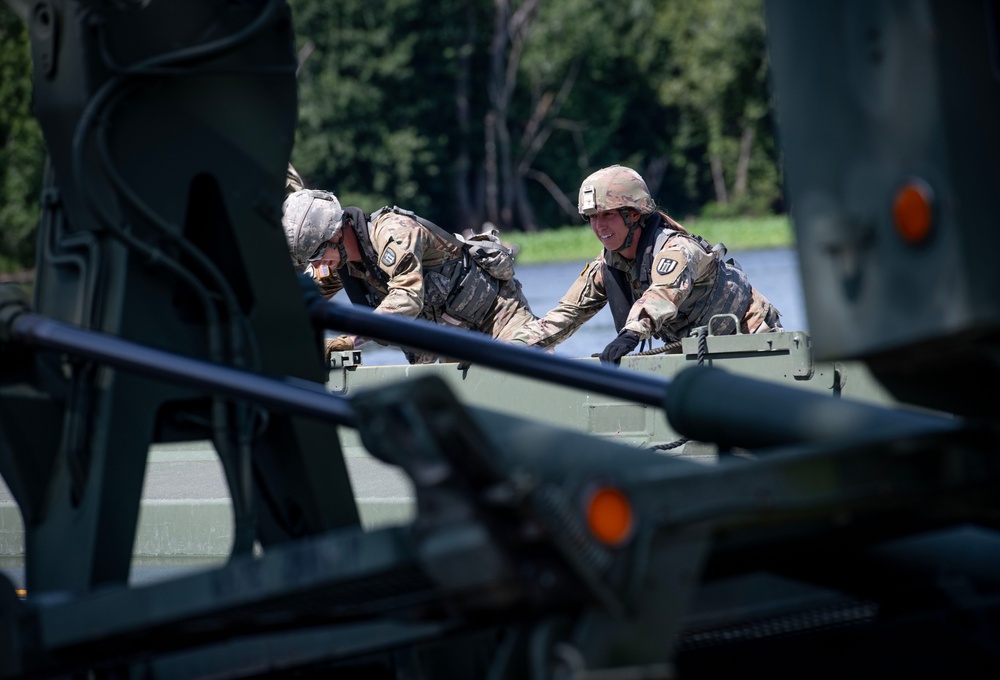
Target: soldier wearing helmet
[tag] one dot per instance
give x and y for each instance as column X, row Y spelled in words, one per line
column 660, row 280
column 399, row 263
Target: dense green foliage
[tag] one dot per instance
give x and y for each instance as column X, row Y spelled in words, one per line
column 475, row 111
column 22, row 150
column 470, row 111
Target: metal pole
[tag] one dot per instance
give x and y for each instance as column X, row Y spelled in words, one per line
column 287, row 394
column 481, row 349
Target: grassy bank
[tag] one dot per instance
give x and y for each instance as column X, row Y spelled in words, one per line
column 579, row 243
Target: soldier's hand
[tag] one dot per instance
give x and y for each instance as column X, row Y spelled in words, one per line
column 341, row 343
column 619, row 347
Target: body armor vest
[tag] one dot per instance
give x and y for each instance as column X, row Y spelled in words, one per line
column 459, row 288
column 730, row 293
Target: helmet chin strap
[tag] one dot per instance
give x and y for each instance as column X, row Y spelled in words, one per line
column 632, row 227
column 341, row 250
column 348, row 223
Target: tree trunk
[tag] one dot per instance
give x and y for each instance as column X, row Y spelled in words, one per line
column 525, row 213
column 654, row 173
column 743, row 165
column 564, row 202
column 491, row 190
column 718, row 178
column 503, row 176
column 497, row 111
column 466, row 216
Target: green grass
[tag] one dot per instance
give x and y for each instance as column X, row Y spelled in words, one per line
column 579, row 243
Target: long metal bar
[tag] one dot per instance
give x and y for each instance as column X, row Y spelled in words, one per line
column 481, row 349
column 287, row 394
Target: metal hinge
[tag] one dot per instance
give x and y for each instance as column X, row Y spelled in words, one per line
column 345, row 359
column 801, row 356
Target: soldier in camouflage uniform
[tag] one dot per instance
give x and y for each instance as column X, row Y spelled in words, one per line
column 400, row 264
column 660, row 280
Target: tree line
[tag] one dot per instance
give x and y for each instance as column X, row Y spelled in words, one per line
column 476, row 111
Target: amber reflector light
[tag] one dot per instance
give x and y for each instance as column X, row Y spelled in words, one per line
column 609, row 516
column 911, row 211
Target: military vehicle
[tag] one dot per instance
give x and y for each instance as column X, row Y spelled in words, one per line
column 832, row 537
column 184, row 519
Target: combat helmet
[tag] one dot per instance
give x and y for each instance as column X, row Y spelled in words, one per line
column 310, row 218
column 614, row 188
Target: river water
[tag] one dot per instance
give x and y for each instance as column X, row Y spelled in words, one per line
column 775, row 273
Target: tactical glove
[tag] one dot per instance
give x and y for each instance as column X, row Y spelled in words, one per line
column 619, row 347
column 341, row 343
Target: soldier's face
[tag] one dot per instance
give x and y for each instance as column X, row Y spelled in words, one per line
column 329, row 256
column 610, row 229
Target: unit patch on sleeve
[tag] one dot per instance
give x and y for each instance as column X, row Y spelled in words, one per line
column 389, row 257
column 665, row 265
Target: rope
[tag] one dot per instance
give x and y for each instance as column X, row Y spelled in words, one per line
column 670, row 348
column 670, row 445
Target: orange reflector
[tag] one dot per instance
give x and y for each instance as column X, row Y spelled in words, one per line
column 912, row 211
column 609, row 516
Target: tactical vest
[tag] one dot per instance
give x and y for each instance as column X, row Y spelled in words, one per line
column 361, row 292
column 729, row 294
column 461, row 288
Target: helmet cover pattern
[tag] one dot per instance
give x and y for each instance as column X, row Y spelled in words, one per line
column 310, row 218
column 614, row 188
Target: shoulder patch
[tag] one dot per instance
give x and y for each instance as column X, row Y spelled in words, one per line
column 665, row 265
column 389, row 257
column 670, row 266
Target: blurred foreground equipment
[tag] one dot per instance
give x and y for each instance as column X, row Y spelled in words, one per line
column 833, row 537
column 901, row 101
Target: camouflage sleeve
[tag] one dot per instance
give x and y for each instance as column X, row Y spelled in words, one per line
column 399, row 242
column 585, row 298
column 762, row 316
column 675, row 269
